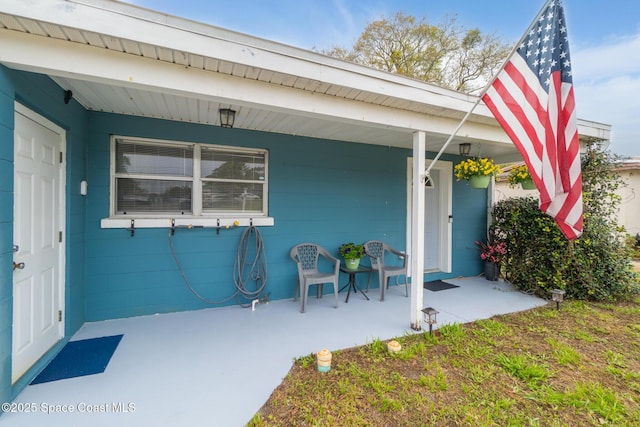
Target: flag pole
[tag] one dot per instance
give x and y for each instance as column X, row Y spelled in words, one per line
column 446, row 144
column 482, row 92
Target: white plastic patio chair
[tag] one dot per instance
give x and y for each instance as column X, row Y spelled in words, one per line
column 376, row 250
column 306, row 255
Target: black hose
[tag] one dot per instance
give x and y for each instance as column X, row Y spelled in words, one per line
column 254, row 270
column 243, row 272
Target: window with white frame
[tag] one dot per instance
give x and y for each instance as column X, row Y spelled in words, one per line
column 171, row 179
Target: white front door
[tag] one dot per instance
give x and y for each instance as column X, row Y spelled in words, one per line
column 438, row 215
column 38, row 231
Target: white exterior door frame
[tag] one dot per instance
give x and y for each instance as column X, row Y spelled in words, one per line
column 446, row 217
column 38, row 238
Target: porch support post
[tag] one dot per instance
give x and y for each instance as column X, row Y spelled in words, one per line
column 417, row 229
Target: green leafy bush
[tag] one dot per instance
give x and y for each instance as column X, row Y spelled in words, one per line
column 634, row 247
column 539, row 258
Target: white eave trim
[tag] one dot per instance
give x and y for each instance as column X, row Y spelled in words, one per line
column 73, row 60
column 593, row 129
column 128, row 22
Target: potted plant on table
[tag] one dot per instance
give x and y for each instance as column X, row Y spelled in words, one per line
column 352, row 254
column 520, row 175
column 492, row 253
column 478, row 171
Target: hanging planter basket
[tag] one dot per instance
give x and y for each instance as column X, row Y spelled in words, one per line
column 480, row 181
column 528, row 184
column 519, row 174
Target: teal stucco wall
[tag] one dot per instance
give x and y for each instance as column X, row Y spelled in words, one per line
column 327, row 192
column 43, row 96
column 6, row 232
column 323, row 191
column 320, row 191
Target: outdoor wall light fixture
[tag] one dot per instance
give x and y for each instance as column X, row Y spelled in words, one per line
column 227, row 117
column 557, row 295
column 68, row 95
column 429, row 316
column 465, row 149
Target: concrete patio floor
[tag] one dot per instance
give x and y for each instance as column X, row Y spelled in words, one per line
column 217, row 367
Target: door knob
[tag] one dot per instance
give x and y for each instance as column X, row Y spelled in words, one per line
column 18, row 266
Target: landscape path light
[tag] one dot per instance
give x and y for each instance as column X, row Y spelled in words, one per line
column 557, row 295
column 429, row 315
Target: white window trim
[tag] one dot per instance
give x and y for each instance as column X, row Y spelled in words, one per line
column 199, row 218
column 221, row 222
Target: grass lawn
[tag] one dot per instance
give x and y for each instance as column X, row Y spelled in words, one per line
column 579, row 366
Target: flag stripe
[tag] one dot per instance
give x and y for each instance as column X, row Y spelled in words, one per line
column 532, row 98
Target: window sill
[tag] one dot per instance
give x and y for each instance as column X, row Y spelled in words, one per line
column 182, row 222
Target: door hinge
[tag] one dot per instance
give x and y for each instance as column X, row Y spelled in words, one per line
column 61, row 156
column 59, row 236
column 59, row 315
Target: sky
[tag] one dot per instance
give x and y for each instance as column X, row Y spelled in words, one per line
column 604, row 39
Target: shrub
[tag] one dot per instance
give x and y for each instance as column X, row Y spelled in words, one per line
column 633, row 245
column 539, row 258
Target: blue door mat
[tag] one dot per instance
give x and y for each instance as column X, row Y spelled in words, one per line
column 80, row 358
column 438, row 285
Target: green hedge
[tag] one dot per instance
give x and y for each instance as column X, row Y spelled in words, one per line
column 597, row 266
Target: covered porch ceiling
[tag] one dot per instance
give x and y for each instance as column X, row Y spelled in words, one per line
column 123, row 59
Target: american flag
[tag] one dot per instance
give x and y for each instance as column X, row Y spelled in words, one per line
column 532, row 98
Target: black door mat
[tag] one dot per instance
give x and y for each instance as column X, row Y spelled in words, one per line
column 438, row 285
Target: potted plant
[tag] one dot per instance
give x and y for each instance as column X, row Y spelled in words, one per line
column 352, row 254
column 520, row 175
column 492, row 253
column 478, row 171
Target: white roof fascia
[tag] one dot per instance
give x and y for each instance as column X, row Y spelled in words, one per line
column 594, row 130
column 129, row 22
column 73, row 60
column 120, row 20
